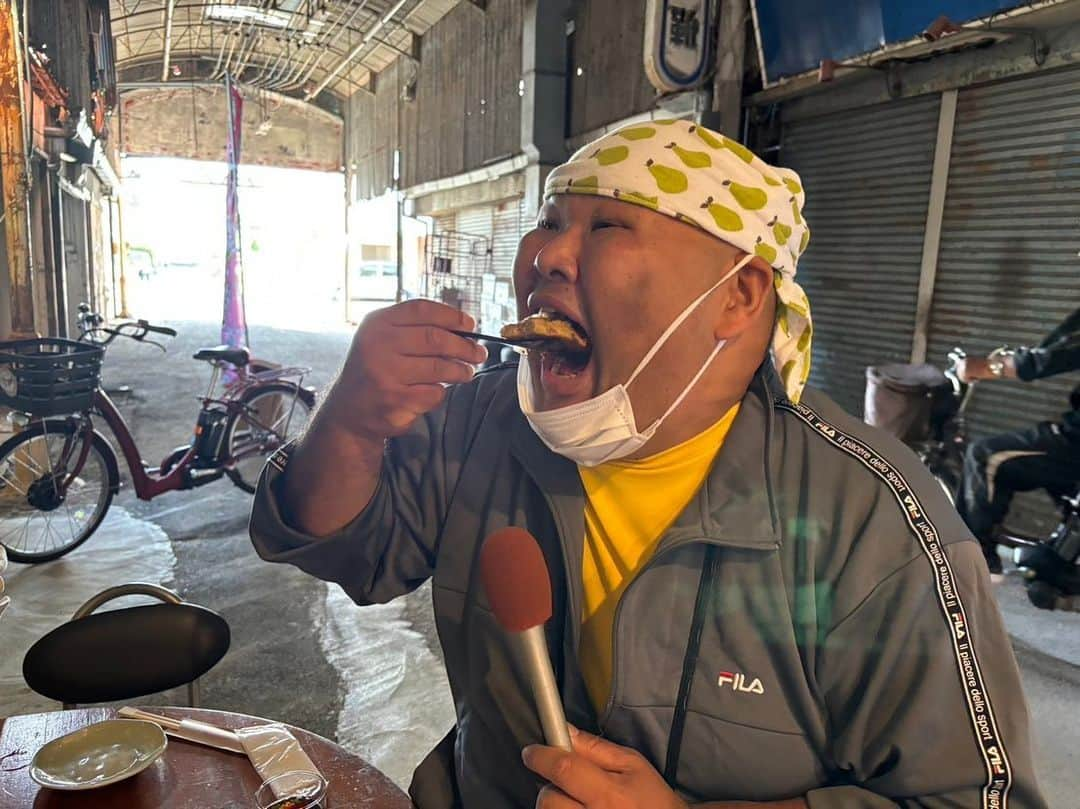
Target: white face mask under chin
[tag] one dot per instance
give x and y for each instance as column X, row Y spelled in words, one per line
column 603, row 428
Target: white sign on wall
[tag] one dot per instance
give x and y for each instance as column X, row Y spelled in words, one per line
column 677, row 43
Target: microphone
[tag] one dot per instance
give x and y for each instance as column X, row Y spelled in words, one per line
column 518, row 588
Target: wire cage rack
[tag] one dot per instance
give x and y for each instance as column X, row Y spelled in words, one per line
column 455, row 265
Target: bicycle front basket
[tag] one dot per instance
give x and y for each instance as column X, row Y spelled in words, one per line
column 49, row 375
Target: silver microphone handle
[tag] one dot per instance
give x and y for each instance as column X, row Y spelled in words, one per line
column 531, row 647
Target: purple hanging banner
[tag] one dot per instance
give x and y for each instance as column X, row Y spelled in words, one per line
column 234, row 331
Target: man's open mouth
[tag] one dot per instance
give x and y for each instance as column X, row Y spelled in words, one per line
column 562, row 343
column 566, row 357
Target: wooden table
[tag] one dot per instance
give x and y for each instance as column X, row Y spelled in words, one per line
column 188, row 776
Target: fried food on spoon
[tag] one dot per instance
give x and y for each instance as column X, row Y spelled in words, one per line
column 563, row 334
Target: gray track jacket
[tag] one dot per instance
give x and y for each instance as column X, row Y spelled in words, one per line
column 817, row 622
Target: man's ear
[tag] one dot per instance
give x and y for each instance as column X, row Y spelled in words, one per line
column 751, row 297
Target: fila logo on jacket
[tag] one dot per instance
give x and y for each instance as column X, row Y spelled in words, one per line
column 738, row 682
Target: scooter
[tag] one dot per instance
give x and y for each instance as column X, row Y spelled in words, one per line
column 935, row 427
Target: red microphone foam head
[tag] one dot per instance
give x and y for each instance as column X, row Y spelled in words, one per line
column 516, row 580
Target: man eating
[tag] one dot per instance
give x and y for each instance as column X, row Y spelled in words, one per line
column 758, row 599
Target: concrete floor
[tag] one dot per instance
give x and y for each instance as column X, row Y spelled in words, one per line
column 370, row 678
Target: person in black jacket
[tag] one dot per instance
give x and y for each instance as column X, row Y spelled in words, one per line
column 1044, row 456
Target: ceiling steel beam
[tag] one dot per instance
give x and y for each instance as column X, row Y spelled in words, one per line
column 341, row 65
column 168, row 39
column 258, row 59
column 216, row 86
column 179, row 52
column 410, row 53
column 152, row 34
column 141, row 12
column 188, row 56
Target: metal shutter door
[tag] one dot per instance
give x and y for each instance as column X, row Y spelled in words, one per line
column 476, row 224
column 504, row 243
column 475, row 221
column 1008, row 270
column 458, row 257
column 505, row 238
column 867, row 178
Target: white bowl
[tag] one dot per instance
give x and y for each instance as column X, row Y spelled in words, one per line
column 98, row 755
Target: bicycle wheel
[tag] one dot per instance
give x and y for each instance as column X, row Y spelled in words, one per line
column 272, row 415
column 41, row 518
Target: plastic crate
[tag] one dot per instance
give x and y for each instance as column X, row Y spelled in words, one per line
column 48, row 376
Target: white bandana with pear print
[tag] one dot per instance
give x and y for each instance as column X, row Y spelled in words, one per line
column 700, row 177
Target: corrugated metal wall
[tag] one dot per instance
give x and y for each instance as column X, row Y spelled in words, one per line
column 475, row 221
column 466, row 113
column 387, row 135
column 444, row 222
column 505, row 237
column 358, row 111
column 606, row 46
column 504, row 243
column 63, row 27
column 1008, row 269
column 100, row 260
column 867, row 178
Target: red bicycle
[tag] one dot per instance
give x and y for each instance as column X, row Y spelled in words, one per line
column 58, row 474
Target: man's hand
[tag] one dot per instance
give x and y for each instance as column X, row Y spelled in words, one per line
column 598, row 775
column 601, row 775
column 972, row 369
column 400, row 358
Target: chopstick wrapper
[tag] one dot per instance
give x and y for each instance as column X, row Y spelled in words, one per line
column 189, row 729
column 207, row 734
column 274, row 751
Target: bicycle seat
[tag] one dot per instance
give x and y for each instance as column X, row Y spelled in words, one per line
column 237, row 356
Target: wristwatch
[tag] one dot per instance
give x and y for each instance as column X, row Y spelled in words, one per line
column 995, row 363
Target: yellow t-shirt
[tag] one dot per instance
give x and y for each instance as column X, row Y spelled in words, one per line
column 629, row 505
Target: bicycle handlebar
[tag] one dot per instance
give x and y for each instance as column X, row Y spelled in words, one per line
column 157, row 329
column 91, row 323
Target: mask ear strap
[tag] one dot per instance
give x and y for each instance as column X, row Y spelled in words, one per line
column 686, row 391
column 689, row 310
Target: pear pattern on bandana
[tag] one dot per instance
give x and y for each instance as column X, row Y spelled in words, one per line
column 725, row 218
column 637, row 133
column 781, row 231
column 706, row 179
column 638, row 199
column 668, row 180
column 612, row 155
column 707, row 136
column 740, row 151
column 690, row 158
column 765, row 251
column 752, row 199
column 586, row 184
